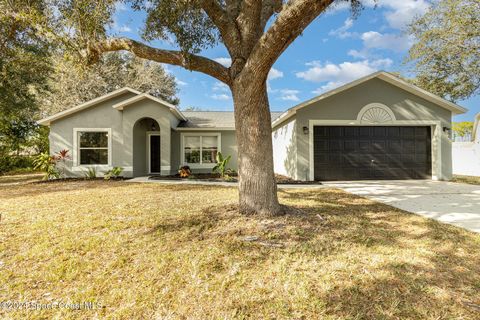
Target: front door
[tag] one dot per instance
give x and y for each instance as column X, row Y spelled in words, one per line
column 153, row 153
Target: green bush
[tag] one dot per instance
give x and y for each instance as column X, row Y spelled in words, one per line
column 115, row 172
column 91, row 173
column 46, row 163
column 10, row 163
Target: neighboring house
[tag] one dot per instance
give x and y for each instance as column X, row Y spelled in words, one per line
column 466, row 155
column 377, row 127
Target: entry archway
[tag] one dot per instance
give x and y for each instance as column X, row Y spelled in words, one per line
column 146, row 147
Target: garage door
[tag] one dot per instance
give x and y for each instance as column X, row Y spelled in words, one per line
column 356, row 153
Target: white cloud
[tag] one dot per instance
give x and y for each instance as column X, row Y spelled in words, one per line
column 226, row 62
column 275, row 74
column 120, row 28
column 362, row 54
column 221, row 96
column 289, row 95
column 343, row 32
column 399, row 13
column 220, row 86
column 389, row 41
column 120, row 6
column 180, row 82
column 335, row 75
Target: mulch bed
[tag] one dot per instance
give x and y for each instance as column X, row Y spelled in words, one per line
column 210, row 177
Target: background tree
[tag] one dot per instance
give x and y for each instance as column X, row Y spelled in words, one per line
column 463, row 128
column 447, row 50
column 254, row 32
column 24, row 69
column 71, row 85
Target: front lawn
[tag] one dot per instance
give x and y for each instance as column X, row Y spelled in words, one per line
column 154, row 251
column 466, row 179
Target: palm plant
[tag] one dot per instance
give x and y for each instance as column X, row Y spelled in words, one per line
column 222, row 163
column 47, row 164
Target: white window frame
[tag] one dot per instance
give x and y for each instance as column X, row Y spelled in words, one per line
column 199, row 134
column 76, row 149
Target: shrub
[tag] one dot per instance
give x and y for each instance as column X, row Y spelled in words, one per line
column 222, row 163
column 115, row 172
column 9, row 163
column 61, row 157
column 91, row 173
column 47, row 164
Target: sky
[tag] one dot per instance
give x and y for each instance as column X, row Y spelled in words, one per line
column 335, row 49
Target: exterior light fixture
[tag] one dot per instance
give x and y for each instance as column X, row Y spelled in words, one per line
column 305, row 130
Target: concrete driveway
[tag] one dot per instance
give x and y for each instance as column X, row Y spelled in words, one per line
column 448, row 202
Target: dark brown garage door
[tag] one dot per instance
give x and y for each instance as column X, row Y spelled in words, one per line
column 356, row 153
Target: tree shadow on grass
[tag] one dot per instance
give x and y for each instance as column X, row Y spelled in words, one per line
column 395, row 264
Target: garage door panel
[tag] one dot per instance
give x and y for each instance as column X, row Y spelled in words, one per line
column 371, row 152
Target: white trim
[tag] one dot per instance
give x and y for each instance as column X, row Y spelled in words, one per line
column 149, row 163
column 121, row 105
column 377, row 106
column 47, row 121
column 385, row 76
column 75, row 154
column 436, row 138
column 199, row 165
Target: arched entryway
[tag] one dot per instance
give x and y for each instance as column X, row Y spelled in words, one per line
column 146, row 147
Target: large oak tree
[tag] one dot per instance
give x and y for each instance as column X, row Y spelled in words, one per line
column 254, row 32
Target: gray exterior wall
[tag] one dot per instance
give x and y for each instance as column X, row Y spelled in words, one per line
column 99, row 116
column 129, row 136
column 121, row 124
column 347, row 104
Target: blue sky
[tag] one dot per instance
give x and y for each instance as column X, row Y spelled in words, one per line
column 333, row 50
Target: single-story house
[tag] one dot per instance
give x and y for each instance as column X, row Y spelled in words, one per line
column 377, row 127
column 466, row 154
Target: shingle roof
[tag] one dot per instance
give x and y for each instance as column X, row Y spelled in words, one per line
column 212, row 119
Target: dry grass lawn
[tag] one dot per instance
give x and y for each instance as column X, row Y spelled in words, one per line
column 466, row 179
column 152, row 251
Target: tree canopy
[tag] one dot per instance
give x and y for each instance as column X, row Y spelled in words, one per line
column 24, row 69
column 71, row 86
column 446, row 53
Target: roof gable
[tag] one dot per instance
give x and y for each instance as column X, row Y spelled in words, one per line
column 46, row 121
column 384, row 76
column 121, row 105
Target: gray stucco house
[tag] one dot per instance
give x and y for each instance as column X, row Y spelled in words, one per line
column 377, row 127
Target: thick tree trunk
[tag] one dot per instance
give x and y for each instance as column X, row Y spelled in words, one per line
column 257, row 186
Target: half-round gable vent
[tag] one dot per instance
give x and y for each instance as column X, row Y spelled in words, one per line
column 376, row 113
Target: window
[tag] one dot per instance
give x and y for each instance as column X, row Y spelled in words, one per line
column 93, row 147
column 201, row 149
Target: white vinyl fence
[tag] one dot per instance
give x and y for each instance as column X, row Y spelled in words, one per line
column 466, row 158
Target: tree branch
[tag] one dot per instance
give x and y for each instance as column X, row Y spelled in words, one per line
column 290, row 23
column 225, row 25
column 269, row 8
column 178, row 58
